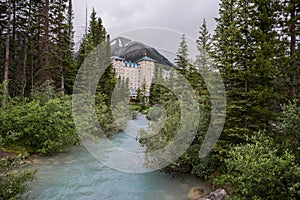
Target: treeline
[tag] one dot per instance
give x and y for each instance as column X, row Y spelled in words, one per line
column 38, row 45
column 256, row 49
column 39, row 68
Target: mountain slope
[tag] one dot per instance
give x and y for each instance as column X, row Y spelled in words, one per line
column 133, row 51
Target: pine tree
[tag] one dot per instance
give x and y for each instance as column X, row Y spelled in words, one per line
column 156, row 90
column 290, row 26
column 25, row 53
column 182, row 60
column 40, row 43
column 62, row 42
column 3, row 14
column 202, row 65
column 70, row 54
column 97, row 36
column 204, row 47
column 45, row 75
column 246, row 45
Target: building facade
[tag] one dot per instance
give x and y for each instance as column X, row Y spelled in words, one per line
column 139, row 74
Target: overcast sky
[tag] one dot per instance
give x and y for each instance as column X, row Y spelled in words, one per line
column 124, row 15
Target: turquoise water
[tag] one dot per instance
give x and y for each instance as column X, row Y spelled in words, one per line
column 78, row 175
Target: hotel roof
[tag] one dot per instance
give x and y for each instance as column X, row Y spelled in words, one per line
column 117, row 58
column 146, row 58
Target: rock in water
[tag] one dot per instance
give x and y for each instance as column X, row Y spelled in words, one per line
column 219, row 194
column 196, row 193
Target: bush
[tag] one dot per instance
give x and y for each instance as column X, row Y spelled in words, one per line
column 205, row 167
column 12, row 179
column 289, row 128
column 39, row 128
column 259, row 171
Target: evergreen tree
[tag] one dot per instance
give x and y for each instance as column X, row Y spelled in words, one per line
column 289, row 25
column 157, row 90
column 40, row 46
column 204, row 47
column 202, row 65
column 182, row 60
column 108, row 79
column 245, row 47
column 62, row 41
column 28, row 22
column 97, row 36
column 3, row 14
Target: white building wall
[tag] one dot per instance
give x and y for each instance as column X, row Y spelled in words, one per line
column 138, row 74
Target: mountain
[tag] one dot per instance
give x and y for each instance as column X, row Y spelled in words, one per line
column 133, row 51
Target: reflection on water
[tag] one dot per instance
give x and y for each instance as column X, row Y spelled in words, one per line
column 78, row 175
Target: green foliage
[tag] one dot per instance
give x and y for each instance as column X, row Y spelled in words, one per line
column 44, row 92
column 41, row 44
column 204, row 45
column 111, row 119
column 155, row 113
column 182, row 60
column 289, row 128
column 107, row 84
column 95, row 36
column 12, row 179
column 246, row 47
column 166, row 123
column 258, row 171
column 204, row 167
column 40, row 128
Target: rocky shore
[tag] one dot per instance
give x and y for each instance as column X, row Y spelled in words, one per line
column 200, row 194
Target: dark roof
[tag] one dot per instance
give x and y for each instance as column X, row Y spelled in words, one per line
column 117, row 58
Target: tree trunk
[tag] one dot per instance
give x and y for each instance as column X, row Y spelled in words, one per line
column 47, row 33
column 62, row 84
column 24, row 81
column 70, row 24
column 293, row 48
column 43, row 74
column 7, row 51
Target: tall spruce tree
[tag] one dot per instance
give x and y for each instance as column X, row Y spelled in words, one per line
column 182, row 60
column 97, row 36
column 246, row 45
column 62, row 41
column 289, row 26
column 204, row 47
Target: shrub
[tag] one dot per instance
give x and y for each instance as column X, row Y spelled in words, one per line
column 258, row 171
column 289, row 128
column 40, row 128
column 12, row 179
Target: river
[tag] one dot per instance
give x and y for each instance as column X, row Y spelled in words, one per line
column 76, row 174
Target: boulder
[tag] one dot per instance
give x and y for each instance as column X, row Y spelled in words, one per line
column 219, row 194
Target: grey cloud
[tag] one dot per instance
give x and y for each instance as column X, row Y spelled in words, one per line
column 123, row 15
